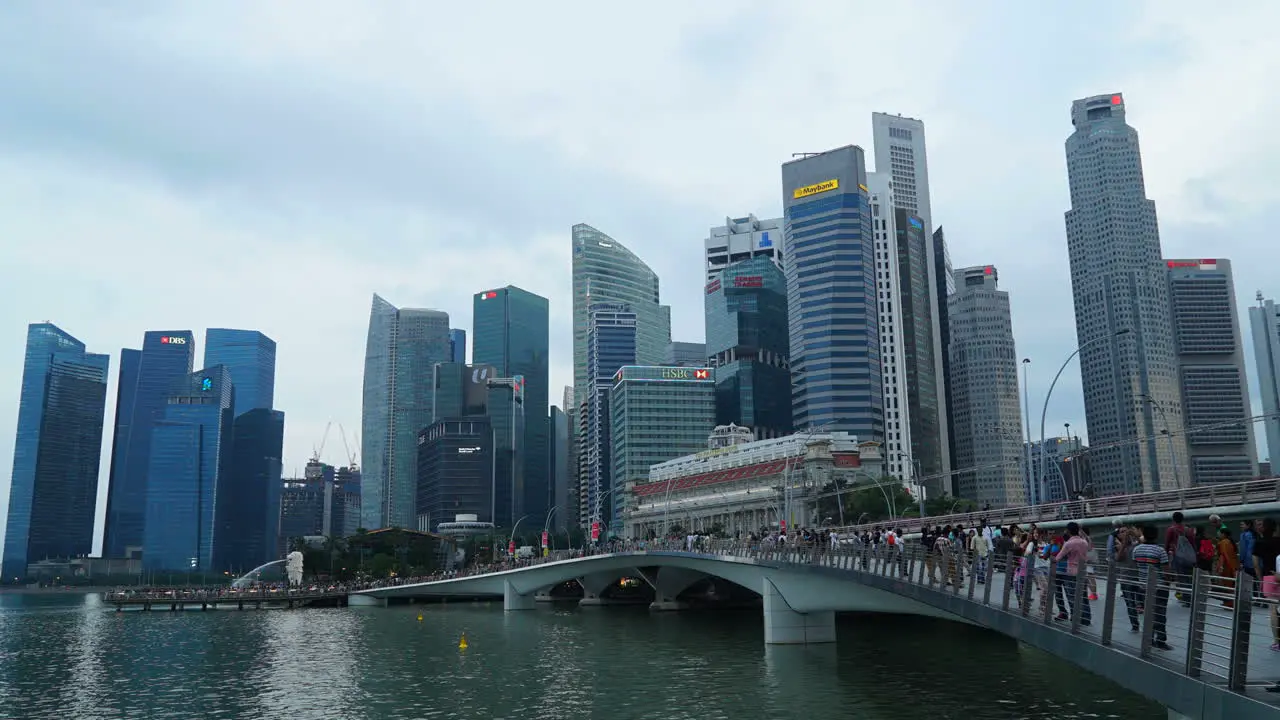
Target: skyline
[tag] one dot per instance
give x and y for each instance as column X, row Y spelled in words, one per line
column 196, row 203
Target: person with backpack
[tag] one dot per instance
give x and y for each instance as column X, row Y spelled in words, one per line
column 1179, row 544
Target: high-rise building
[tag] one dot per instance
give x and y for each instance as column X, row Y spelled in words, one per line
column 742, row 239
column 1128, row 361
column 457, row 345
column 575, row 500
column 612, row 336
column 656, row 414
column 944, row 288
column 455, row 471
column 54, row 489
column 191, row 451
column 920, row 365
column 829, row 260
column 605, row 271
column 249, row 494
column 900, row 152
column 685, row 354
column 564, row 514
column 147, row 379
column 984, row 387
column 403, row 346
column 324, row 503
column 250, row 357
column 461, row 390
column 511, row 332
column 1264, row 324
column 749, row 344
column 1215, row 388
column 1066, row 467
column 893, row 382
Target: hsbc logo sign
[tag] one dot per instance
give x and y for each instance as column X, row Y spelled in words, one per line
column 701, row 374
column 168, row 340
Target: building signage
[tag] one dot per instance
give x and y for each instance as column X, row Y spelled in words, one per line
column 1210, row 264
column 167, row 340
column 489, row 295
column 468, row 450
column 676, row 373
column 749, row 281
column 650, row 373
column 206, row 384
column 816, row 188
column 713, row 286
column 863, row 188
column 915, row 222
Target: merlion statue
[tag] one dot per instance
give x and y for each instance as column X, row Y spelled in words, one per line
column 293, row 567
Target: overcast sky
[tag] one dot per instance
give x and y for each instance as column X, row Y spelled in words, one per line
column 269, row 165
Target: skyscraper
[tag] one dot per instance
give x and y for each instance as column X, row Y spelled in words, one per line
column 511, row 332
column 54, row 488
column 829, row 258
column 250, row 357
column 1128, row 361
column 900, row 152
column 190, row 456
column 747, row 339
column 921, row 364
column 685, row 354
column 742, row 239
column 561, row 473
column 984, row 400
column 604, row 270
column 893, row 381
column 147, row 378
column 945, row 287
column 457, row 345
column 612, row 337
column 1264, row 324
column 404, row 345
column 249, row 491
column 1215, row 388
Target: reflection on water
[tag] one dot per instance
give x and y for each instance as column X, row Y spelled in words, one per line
column 65, row 656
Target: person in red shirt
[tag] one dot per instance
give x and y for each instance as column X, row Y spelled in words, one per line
column 1075, row 552
column 1180, row 570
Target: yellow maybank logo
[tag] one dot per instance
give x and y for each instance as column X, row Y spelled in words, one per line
column 821, row 187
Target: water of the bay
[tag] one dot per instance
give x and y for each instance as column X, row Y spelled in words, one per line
column 66, row 656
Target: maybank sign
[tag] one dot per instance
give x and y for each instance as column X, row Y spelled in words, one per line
column 821, row 187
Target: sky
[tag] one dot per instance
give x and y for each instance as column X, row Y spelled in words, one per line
column 270, row 165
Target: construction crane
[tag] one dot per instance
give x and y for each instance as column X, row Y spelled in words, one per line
column 317, row 450
column 353, row 460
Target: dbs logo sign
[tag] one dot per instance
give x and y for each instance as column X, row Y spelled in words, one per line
column 166, row 340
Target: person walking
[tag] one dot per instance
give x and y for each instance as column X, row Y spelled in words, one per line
column 1150, row 557
column 1075, row 551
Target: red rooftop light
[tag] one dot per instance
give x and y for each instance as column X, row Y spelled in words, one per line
column 1116, row 100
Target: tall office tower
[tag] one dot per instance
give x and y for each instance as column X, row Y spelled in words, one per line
column 404, row 345
column 685, row 354
column 944, row 288
column 56, row 451
column 829, row 261
column 900, row 152
column 249, row 493
column 581, row 466
column 455, row 471
column 921, row 365
column 1264, row 324
column 898, row 461
column 1215, row 388
column 655, row 414
column 605, row 271
column 461, row 390
column 571, row 511
column 147, row 377
column 612, row 339
column 984, row 400
column 565, row 512
column 250, row 357
column 511, row 332
column 190, row 452
column 747, row 338
column 457, row 345
column 1128, row 362
column 742, row 239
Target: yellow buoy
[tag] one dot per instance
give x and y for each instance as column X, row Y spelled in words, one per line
column 462, row 643
column 419, row 617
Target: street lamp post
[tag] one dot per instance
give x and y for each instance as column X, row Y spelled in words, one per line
column 1168, row 433
column 1044, row 457
column 917, row 472
column 786, row 471
column 1026, row 413
column 515, row 527
column 546, row 524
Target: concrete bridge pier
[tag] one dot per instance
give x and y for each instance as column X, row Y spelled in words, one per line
column 512, row 599
column 595, row 584
column 784, row 626
column 357, row 600
column 667, row 584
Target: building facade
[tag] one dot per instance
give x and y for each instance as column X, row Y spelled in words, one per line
column 461, row 390
column 829, row 261
column 605, row 271
column 511, row 332
column 455, row 471
column 749, row 346
column 1066, row 467
column 191, row 453
column 457, row 345
column 1211, row 372
column 1128, row 361
column 54, row 489
column 685, row 354
column 743, row 239
column 612, row 338
column 563, row 513
column 1264, row 325
column 984, row 400
column 324, row 503
column 944, row 288
column 893, row 384
column 147, row 377
column 920, row 364
column 249, row 496
column 656, row 413
column 250, row 357
column 403, row 347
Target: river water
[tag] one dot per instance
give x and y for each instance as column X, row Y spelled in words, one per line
column 66, row 656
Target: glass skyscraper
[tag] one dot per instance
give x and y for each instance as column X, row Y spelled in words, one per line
column 248, row 512
column 604, row 270
column 403, row 346
column 147, row 378
column 56, row 451
column 457, row 345
column 1264, row 327
column 190, row 455
column 919, row 361
column 748, row 341
column 250, row 357
column 611, row 345
column 1128, row 361
column 511, row 332
column 829, row 260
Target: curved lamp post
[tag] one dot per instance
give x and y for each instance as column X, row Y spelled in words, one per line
column 1044, row 457
column 1168, row 432
column 515, row 527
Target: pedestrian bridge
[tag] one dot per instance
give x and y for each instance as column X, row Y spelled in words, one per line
column 1215, row 661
